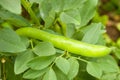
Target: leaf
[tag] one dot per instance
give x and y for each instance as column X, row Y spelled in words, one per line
column 57, row 5
column 39, row 63
column 70, row 30
column 74, row 68
column 14, row 5
column 117, row 52
column 25, row 40
column 21, row 61
column 47, row 14
column 87, row 11
column 10, row 41
column 33, row 74
column 63, row 64
column 73, row 4
column 94, row 69
column 93, row 33
column 109, row 63
column 109, row 76
column 13, row 19
column 60, row 75
column 50, row 75
column 44, row 49
column 71, row 16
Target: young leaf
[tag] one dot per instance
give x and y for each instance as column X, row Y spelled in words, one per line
column 63, row 64
column 40, row 63
column 44, row 49
column 74, row 68
column 50, row 75
column 10, row 41
column 94, row 69
column 21, row 61
column 33, row 74
column 14, row 5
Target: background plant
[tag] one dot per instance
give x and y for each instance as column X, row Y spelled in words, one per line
column 24, row 58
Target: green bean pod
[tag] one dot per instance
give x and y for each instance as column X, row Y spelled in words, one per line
column 61, row 42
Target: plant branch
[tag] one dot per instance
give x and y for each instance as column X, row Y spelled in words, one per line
column 27, row 6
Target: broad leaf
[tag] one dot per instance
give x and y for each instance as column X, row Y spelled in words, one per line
column 73, row 4
column 40, row 63
column 50, row 75
column 10, row 41
column 57, row 5
column 71, row 16
column 60, row 75
column 94, row 69
column 109, row 64
column 33, row 74
column 25, row 41
column 109, row 76
column 93, row 33
column 74, row 68
column 21, row 61
column 12, row 5
column 63, row 64
column 44, row 49
column 87, row 11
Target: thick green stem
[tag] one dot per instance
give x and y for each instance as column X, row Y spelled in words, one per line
column 27, row 6
column 70, row 45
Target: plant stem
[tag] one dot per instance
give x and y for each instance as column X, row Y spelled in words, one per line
column 27, row 6
column 3, row 73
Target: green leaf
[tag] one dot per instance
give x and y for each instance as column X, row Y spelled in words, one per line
column 71, row 16
column 109, row 76
column 109, row 63
column 117, row 53
column 47, row 14
column 33, row 74
column 63, row 64
column 74, row 68
column 73, row 4
column 39, row 63
column 12, row 5
column 10, row 41
column 57, row 5
column 21, row 61
column 13, row 19
column 44, row 49
column 50, row 75
column 60, row 75
column 87, row 11
column 93, row 33
column 25, row 40
column 94, row 69
column 70, row 30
